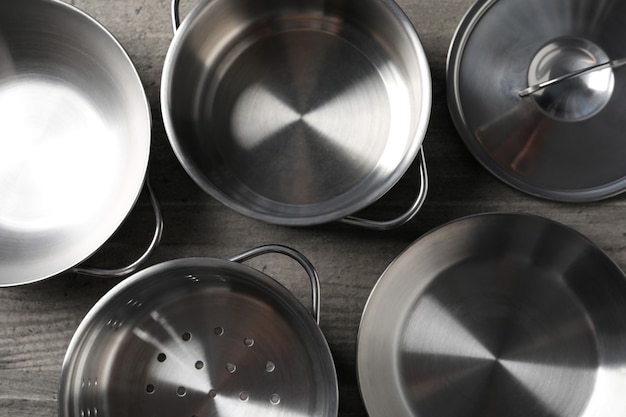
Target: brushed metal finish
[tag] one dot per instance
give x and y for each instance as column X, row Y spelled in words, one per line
column 563, row 141
column 496, row 315
column 198, row 337
column 74, row 138
column 296, row 112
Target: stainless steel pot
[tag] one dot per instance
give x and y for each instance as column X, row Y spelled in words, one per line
column 496, row 315
column 74, row 140
column 199, row 337
column 297, row 112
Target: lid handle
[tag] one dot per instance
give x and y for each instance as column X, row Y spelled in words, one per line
column 615, row 63
column 298, row 257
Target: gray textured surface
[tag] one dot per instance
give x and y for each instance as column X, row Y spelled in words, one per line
column 37, row 321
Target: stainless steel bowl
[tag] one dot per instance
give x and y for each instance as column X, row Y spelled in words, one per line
column 74, row 138
column 297, row 112
column 496, row 315
column 536, row 90
column 201, row 337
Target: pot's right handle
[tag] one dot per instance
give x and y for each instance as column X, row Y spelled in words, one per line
column 175, row 11
column 404, row 218
column 156, row 238
column 298, row 257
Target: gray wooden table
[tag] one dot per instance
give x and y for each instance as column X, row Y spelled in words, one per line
column 37, row 321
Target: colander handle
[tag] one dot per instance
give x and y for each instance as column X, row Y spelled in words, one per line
column 156, row 238
column 298, row 257
column 404, row 218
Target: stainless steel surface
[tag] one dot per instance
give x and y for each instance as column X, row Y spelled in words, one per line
column 562, row 143
column 492, row 315
column 296, row 113
column 141, row 260
column 404, row 217
column 200, row 336
column 74, row 138
column 615, row 63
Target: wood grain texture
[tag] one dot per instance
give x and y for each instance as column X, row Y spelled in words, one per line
column 37, row 321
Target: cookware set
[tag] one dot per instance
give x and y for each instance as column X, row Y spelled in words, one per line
column 301, row 113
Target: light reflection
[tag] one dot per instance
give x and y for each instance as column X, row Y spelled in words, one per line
column 556, row 387
column 56, row 155
column 252, row 123
column 443, row 336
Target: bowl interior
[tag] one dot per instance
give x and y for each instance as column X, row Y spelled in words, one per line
column 74, row 138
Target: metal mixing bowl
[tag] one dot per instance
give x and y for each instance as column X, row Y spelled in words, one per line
column 75, row 130
column 297, row 112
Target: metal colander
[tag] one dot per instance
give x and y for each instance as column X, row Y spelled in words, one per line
column 200, row 337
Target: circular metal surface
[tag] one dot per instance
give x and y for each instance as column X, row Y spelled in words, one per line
column 198, row 337
column 74, row 138
column 493, row 315
column 296, row 112
column 561, row 141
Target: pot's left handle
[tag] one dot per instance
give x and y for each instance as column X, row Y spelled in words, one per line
column 298, row 257
column 126, row 270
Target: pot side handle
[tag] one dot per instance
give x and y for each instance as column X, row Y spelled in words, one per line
column 175, row 11
column 405, row 217
column 156, row 238
column 298, row 257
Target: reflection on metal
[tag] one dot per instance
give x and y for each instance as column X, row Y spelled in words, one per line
column 535, row 93
column 296, row 113
column 492, row 315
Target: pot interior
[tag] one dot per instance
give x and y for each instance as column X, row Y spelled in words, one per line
column 296, row 112
column 496, row 315
column 197, row 338
column 74, row 138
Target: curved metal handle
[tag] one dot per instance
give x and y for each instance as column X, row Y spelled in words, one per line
column 615, row 63
column 175, row 11
column 298, row 257
column 404, row 218
column 156, row 238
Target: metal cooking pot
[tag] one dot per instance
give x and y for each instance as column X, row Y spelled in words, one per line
column 74, row 140
column 297, row 112
column 496, row 315
column 201, row 336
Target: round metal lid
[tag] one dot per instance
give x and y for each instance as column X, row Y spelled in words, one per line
column 536, row 91
column 496, row 315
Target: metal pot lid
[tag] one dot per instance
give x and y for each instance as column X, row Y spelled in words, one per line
column 493, row 315
column 198, row 337
column 536, row 91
